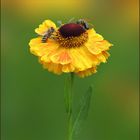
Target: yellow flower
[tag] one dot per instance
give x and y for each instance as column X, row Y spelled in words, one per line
column 69, row 48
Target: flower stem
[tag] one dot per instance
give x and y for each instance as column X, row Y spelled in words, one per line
column 69, row 100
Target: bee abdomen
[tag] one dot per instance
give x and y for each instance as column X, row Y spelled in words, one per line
column 47, row 35
column 44, row 38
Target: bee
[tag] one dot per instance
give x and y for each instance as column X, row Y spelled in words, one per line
column 47, row 34
column 83, row 23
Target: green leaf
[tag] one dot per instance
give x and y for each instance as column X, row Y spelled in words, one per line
column 82, row 113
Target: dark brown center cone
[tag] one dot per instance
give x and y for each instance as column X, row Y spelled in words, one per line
column 71, row 30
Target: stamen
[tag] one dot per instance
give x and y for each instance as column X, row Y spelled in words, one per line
column 71, row 42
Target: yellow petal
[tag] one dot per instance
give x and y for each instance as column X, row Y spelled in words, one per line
column 96, row 43
column 40, row 49
column 80, row 59
column 60, row 56
column 101, row 57
column 44, row 27
column 86, row 72
column 55, row 68
column 98, row 47
column 68, row 68
column 93, row 36
column 106, row 54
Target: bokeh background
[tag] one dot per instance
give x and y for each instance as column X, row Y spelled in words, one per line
column 32, row 98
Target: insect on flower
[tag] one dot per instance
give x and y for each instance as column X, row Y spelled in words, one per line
column 71, row 47
column 83, row 23
column 47, row 34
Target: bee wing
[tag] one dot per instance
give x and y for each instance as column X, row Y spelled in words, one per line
column 71, row 19
column 59, row 22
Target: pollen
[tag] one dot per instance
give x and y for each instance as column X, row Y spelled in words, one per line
column 71, row 42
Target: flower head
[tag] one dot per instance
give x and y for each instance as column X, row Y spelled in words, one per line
column 69, row 48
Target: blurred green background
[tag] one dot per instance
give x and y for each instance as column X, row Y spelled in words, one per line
column 32, row 98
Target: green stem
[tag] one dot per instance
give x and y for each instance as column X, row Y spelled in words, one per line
column 69, row 100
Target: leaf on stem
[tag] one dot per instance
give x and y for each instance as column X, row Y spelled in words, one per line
column 82, row 113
